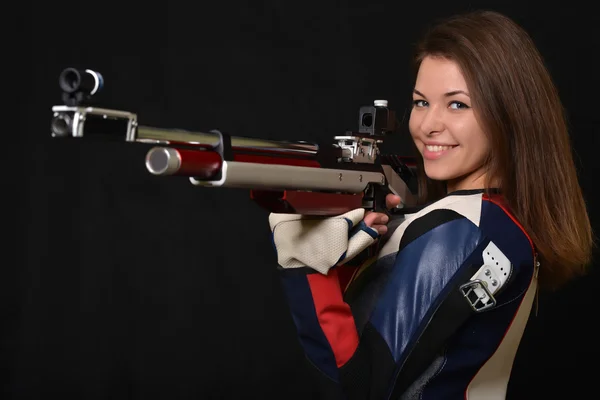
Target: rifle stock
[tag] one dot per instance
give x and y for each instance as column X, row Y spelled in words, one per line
column 282, row 176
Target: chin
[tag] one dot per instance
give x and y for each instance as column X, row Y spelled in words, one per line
column 438, row 173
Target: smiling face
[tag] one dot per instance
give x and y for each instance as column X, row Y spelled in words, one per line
column 444, row 127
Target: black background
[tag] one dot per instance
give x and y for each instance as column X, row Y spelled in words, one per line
column 120, row 285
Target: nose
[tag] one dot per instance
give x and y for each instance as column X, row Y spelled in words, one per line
column 432, row 120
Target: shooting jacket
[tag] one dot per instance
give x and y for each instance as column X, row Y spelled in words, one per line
column 358, row 324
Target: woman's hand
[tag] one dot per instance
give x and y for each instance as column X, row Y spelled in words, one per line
column 378, row 221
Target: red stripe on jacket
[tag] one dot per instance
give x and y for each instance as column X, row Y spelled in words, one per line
column 334, row 315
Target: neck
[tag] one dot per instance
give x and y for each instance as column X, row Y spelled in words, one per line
column 473, row 180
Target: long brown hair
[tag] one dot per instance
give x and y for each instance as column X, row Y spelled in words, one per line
column 518, row 105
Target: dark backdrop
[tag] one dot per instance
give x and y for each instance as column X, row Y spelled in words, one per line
column 120, row 285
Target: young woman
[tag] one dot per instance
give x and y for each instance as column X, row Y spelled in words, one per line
column 441, row 313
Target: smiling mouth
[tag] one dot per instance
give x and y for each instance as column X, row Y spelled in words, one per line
column 437, row 148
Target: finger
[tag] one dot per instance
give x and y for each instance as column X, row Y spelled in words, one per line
column 381, row 229
column 374, row 218
column 392, row 200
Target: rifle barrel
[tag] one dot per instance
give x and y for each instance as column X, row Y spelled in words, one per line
column 178, row 137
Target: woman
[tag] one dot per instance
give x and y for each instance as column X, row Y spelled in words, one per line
column 502, row 213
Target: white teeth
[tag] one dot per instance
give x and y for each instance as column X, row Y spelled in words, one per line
column 438, row 148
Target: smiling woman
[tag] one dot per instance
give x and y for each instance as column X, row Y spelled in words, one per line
column 482, row 85
column 441, row 312
column 444, row 127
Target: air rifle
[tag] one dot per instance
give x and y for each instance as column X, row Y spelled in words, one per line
column 282, row 176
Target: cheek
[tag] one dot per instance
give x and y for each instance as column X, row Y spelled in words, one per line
column 468, row 133
column 413, row 125
column 479, row 142
column 477, row 147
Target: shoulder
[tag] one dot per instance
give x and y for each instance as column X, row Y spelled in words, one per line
column 460, row 212
column 462, row 220
column 499, row 224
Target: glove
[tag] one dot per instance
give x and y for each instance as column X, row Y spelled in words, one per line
column 317, row 242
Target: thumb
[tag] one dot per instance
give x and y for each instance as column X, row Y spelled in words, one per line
column 392, row 200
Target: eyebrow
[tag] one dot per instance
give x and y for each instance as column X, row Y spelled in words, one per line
column 448, row 94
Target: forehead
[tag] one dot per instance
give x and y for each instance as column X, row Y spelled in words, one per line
column 437, row 74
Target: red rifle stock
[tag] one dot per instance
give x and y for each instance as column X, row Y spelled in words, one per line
column 282, row 176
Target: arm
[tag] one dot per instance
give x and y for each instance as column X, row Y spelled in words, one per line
column 325, row 325
column 360, row 355
column 346, row 365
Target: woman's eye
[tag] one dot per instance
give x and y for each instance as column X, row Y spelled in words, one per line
column 457, row 105
column 419, row 103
